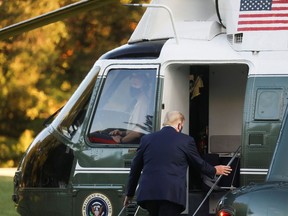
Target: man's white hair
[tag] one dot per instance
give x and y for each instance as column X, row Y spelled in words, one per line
column 172, row 117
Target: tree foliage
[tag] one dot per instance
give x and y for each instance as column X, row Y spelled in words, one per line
column 40, row 69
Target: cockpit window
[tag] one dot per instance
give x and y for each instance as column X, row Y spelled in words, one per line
column 126, row 107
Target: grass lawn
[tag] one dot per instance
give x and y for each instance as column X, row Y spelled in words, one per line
column 7, row 207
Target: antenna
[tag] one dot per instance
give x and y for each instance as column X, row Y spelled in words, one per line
column 164, row 7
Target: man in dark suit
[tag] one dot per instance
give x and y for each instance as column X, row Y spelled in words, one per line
column 163, row 158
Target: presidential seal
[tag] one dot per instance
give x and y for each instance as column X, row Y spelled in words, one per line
column 96, row 204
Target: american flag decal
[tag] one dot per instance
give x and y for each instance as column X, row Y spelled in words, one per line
column 263, row 15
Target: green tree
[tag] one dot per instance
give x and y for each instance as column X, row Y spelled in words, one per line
column 26, row 63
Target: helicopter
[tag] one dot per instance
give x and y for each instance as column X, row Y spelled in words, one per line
column 218, row 62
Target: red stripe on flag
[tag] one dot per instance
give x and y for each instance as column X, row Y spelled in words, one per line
column 280, row 1
column 262, row 15
column 262, row 22
column 261, row 28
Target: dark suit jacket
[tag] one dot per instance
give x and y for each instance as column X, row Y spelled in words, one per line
column 164, row 157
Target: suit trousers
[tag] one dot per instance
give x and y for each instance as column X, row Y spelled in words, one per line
column 162, row 208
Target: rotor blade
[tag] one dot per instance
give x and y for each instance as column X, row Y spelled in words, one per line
column 53, row 16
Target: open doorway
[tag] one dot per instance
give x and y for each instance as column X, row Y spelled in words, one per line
column 217, row 94
column 212, row 97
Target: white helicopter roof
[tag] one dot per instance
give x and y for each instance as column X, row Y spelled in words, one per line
column 249, row 26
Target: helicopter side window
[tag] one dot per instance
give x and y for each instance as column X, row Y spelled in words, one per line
column 126, row 107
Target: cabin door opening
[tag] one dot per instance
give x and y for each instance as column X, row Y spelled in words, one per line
column 217, row 94
column 211, row 97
